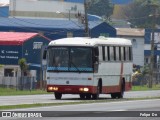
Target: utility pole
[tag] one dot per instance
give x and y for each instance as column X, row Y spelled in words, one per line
column 86, row 19
column 154, row 6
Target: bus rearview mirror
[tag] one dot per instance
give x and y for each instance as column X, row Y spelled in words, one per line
column 96, row 51
column 44, row 54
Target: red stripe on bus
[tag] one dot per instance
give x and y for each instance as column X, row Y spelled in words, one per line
column 75, row 89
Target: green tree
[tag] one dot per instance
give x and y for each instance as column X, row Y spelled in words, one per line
column 139, row 13
column 23, row 66
column 103, row 8
column 1, row 65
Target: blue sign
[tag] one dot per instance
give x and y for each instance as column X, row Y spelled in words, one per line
column 9, row 55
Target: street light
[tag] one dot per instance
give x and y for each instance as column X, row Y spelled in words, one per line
column 58, row 12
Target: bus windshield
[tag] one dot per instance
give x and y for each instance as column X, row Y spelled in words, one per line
column 70, row 59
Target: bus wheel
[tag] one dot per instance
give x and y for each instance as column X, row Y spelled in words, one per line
column 58, row 96
column 113, row 95
column 121, row 94
column 96, row 96
column 88, row 96
column 82, row 96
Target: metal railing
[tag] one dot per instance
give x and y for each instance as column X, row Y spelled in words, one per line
column 27, row 83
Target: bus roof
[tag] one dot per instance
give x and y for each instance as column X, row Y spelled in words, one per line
column 84, row 41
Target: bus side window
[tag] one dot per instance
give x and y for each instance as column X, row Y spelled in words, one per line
column 130, row 53
column 96, row 54
column 106, row 53
column 100, row 53
column 127, row 53
column 122, row 53
column 120, row 58
column 103, row 53
column 111, row 53
column 117, row 53
column 114, row 53
column 96, row 51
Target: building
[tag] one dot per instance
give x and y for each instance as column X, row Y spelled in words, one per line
column 137, row 38
column 147, row 52
column 50, row 9
column 56, row 29
column 4, row 10
column 59, row 14
column 53, row 22
column 14, row 46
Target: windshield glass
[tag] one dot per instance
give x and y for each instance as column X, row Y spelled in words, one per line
column 77, row 59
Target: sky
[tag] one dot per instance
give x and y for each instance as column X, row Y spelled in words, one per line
column 4, row 1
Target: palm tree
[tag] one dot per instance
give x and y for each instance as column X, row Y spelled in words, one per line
column 23, row 66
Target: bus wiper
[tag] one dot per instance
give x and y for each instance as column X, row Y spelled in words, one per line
column 75, row 66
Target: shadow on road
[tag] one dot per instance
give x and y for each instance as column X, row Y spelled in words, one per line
column 78, row 99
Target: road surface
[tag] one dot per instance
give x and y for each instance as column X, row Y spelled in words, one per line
column 49, row 98
column 122, row 110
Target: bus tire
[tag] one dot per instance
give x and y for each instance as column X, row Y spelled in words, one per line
column 113, row 95
column 88, row 96
column 82, row 96
column 58, row 96
column 96, row 96
column 121, row 94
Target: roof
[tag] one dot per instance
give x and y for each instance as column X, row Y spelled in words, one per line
column 4, row 11
column 45, row 23
column 130, row 32
column 15, row 38
column 84, row 41
column 4, row 4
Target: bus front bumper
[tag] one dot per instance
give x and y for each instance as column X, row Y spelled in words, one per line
column 71, row 89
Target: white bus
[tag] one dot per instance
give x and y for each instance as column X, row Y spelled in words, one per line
column 89, row 67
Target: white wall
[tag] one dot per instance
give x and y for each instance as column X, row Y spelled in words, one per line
column 138, row 50
column 41, row 8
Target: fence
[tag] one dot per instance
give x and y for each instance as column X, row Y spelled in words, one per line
column 144, row 79
column 21, row 83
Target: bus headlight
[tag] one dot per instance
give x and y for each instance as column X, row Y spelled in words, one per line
column 80, row 89
column 52, row 88
column 86, row 89
column 55, row 88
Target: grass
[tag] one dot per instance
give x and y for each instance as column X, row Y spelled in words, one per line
column 145, row 87
column 7, row 107
column 13, row 91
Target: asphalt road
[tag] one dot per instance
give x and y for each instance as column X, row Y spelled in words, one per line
column 49, row 98
column 123, row 110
